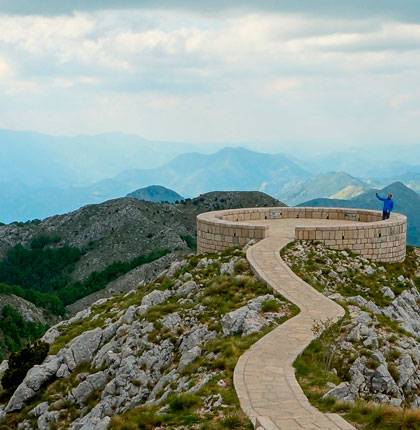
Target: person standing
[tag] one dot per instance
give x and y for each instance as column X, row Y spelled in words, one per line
column 388, row 205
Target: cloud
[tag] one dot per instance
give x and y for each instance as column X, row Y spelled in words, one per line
column 5, row 69
column 177, row 74
column 403, row 9
column 281, row 85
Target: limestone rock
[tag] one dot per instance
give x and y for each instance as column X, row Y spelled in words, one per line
column 405, row 310
column 196, row 337
column 171, row 321
column 247, row 319
column 156, row 297
column 81, row 349
column 186, row 289
column 189, row 356
column 341, row 392
column 388, row 293
column 39, row 409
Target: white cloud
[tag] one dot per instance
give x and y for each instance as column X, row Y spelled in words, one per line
column 5, row 69
column 281, row 85
column 186, row 76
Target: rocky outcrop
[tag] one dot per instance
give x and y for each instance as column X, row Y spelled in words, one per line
column 128, row 282
column 380, row 362
column 406, row 310
column 140, row 353
column 248, row 319
column 27, row 310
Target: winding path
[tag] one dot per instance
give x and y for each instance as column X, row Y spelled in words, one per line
column 264, row 377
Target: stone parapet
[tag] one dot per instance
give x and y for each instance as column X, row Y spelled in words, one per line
column 366, row 234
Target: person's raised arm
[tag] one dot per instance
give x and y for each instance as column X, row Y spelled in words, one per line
column 379, row 197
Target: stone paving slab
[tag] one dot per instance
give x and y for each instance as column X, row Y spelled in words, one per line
column 264, row 376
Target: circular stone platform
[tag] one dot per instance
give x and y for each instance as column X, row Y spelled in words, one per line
column 359, row 230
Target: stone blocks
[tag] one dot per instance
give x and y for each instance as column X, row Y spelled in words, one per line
column 368, row 235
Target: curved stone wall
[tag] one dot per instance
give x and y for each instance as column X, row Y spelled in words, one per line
column 368, row 235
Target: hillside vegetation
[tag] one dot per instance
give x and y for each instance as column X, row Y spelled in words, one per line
column 367, row 366
column 65, row 263
column 161, row 356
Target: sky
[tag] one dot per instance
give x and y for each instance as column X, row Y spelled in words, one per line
column 320, row 73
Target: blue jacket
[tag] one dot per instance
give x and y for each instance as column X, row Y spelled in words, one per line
column 388, row 203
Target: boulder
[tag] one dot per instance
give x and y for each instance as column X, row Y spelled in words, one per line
column 196, row 337
column 382, row 382
column 171, row 321
column 405, row 310
column 51, row 335
column 156, row 297
column 93, row 382
column 36, row 377
column 388, row 293
column 174, row 267
column 82, row 348
column 340, row 392
column 246, row 320
column 228, row 268
column 188, row 357
column 39, row 409
column 407, row 372
column 186, row 289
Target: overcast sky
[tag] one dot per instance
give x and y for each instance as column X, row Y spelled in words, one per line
column 324, row 73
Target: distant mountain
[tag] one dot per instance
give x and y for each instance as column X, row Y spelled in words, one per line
column 331, row 185
column 227, row 169
column 410, row 176
column 406, row 200
column 370, row 161
column 156, row 193
column 190, row 174
column 39, row 160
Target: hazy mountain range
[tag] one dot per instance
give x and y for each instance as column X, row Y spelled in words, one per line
column 331, row 184
column 44, row 175
column 40, row 160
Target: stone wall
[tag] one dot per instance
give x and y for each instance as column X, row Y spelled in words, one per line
column 370, row 236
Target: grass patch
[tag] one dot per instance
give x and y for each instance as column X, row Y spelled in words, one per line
column 270, row 306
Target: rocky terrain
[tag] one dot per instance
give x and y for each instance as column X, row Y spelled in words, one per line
column 116, row 246
column 122, row 229
column 374, row 353
column 27, row 310
column 161, row 355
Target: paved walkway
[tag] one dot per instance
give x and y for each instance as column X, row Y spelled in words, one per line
column 264, row 377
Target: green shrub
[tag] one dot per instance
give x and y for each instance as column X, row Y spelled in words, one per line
column 183, row 402
column 190, row 241
column 20, row 362
column 270, row 306
column 15, row 331
column 40, row 242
